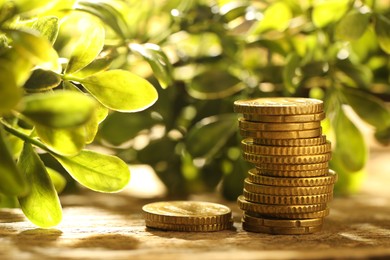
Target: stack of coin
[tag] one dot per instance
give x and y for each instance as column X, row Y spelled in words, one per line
column 288, row 190
column 196, row 216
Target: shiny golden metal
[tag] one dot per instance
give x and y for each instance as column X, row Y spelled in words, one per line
column 257, row 126
column 285, row 118
column 281, row 134
column 286, row 191
column 292, row 167
column 279, row 106
column 316, row 214
column 245, row 205
column 290, row 174
column 287, row 200
column 297, row 159
column 187, row 213
column 330, row 178
column 280, row 230
column 291, row 142
column 248, row 146
column 189, row 228
column 288, row 223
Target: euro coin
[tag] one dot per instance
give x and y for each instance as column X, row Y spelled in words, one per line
column 287, row 200
column 291, row 142
column 287, row 223
column 281, row 134
column 293, row 167
column 281, row 230
column 309, row 215
column 187, row 213
column 289, row 174
column 285, row 118
column 256, row 126
column 298, row 159
column 279, row 106
column 189, row 228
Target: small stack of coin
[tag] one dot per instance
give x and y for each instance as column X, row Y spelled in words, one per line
column 288, row 190
column 189, row 216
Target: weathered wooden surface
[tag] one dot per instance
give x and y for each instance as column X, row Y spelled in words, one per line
column 103, row 226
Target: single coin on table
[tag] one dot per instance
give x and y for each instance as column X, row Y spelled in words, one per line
column 170, row 214
column 279, row 106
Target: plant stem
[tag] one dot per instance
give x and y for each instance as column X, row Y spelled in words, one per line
column 23, row 136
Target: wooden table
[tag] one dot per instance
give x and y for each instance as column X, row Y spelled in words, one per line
column 110, row 226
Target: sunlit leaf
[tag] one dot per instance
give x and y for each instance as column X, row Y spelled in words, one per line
column 210, row 134
column 352, row 26
column 121, row 90
column 54, row 109
column 66, row 141
column 382, row 30
column 92, row 126
column 158, row 61
column 8, row 10
column 57, row 179
column 350, row 151
column 13, row 65
column 10, row 94
column 42, row 80
column 12, row 182
column 360, row 74
column 41, row 205
column 107, row 13
column 34, row 48
column 369, row 107
column 214, row 84
column 98, row 65
column 329, row 11
column 348, row 182
column 290, row 72
column 87, row 48
column 29, row 5
column 98, row 172
column 279, row 12
column 48, row 26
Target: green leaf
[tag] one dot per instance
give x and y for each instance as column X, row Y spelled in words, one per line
column 68, row 142
column 276, row 17
column 48, row 26
column 107, row 13
column 157, row 59
column 360, row 75
column 98, row 172
column 383, row 136
column 36, row 49
column 10, row 94
column 92, row 126
column 41, row 205
column 12, row 182
column 329, row 11
column 98, row 65
column 352, row 26
column 42, row 80
column 369, row 108
column 121, row 90
column 8, row 201
column 15, row 66
column 233, row 181
column 290, row 72
column 350, row 151
column 29, row 5
column 57, row 179
column 215, row 83
column 88, row 47
column 382, row 30
column 209, row 136
column 54, row 110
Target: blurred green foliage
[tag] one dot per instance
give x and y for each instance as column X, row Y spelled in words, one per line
column 73, row 72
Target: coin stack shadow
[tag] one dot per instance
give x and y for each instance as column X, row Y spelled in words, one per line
column 288, row 190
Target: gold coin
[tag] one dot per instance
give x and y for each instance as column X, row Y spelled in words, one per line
column 256, row 126
column 310, row 215
column 286, row 191
column 281, row 230
column 285, row 118
column 287, row 200
column 330, row 178
column 187, row 213
column 281, row 134
column 248, row 146
column 245, row 205
column 291, row 142
column 279, row 106
column 265, row 167
column 189, row 228
column 293, row 223
column 290, row 174
column 298, row 159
